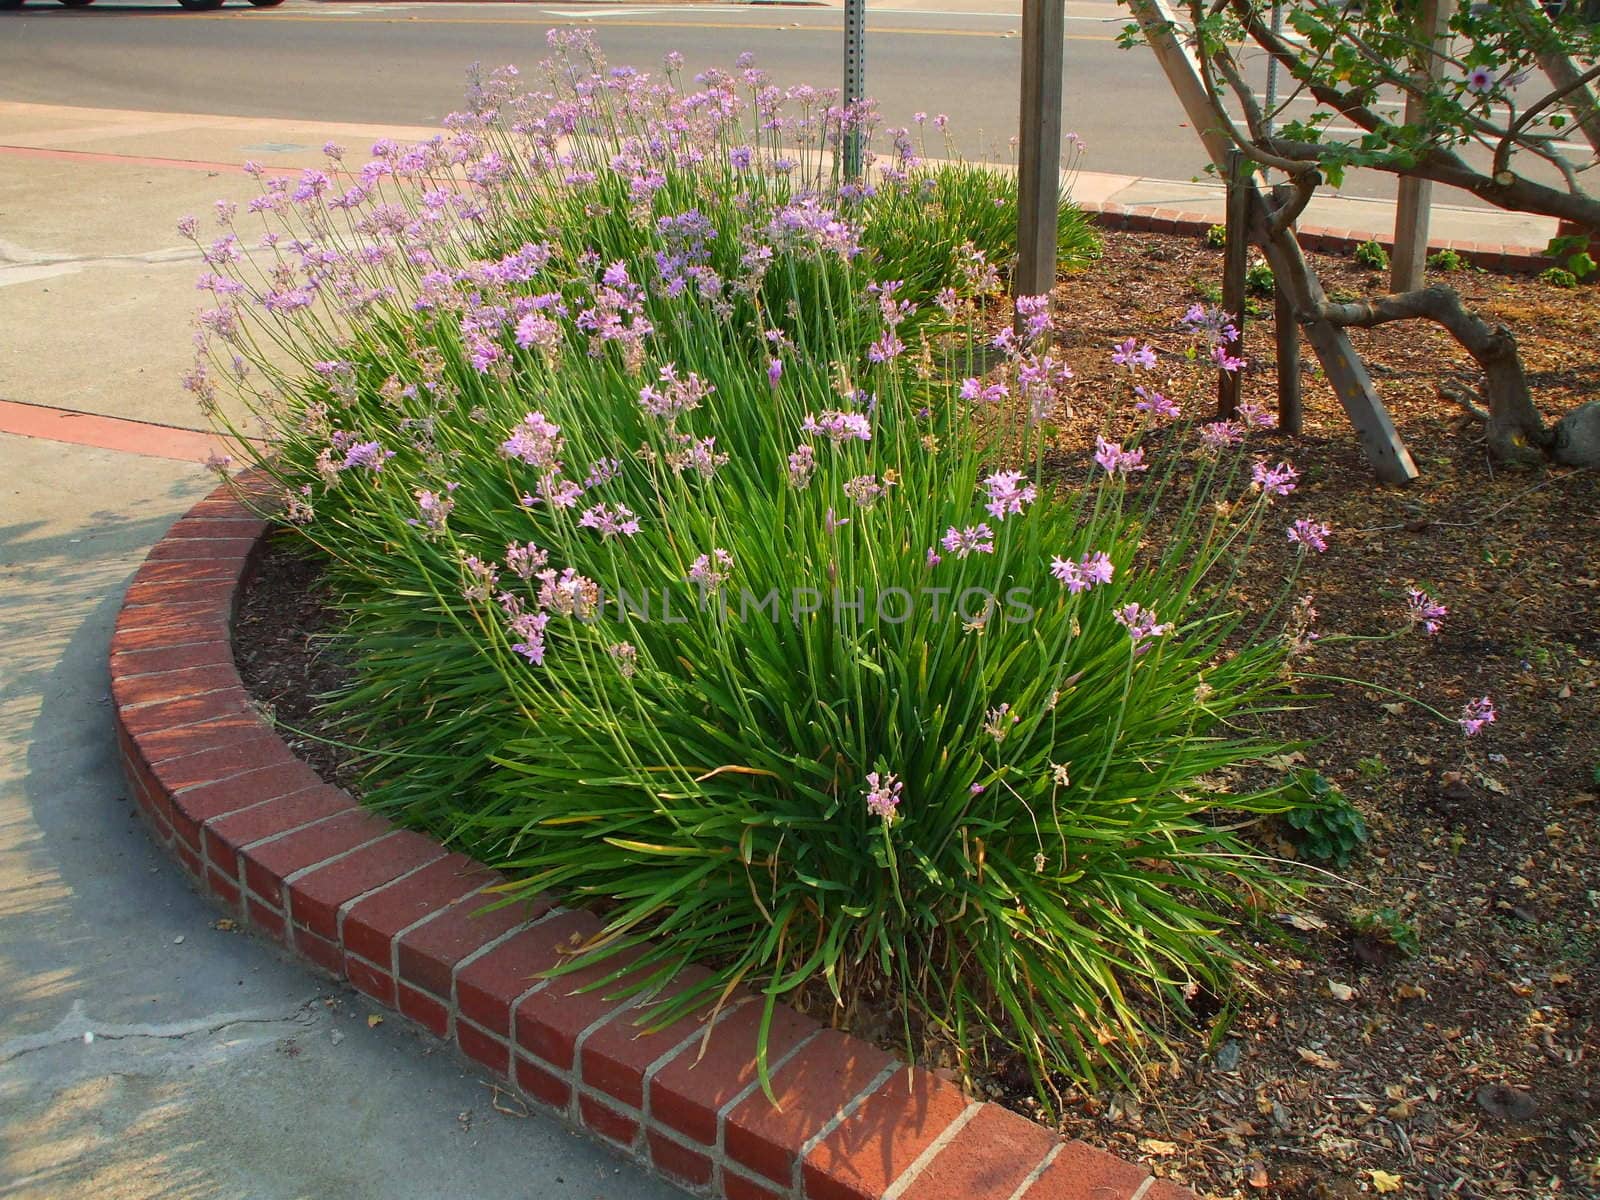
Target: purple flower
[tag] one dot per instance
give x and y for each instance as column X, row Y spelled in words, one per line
column 1480, row 80
column 675, row 395
column 1092, row 569
column 1253, row 414
column 801, row 463
column 933, row 558
column 435, row 509
column 1273, row 481
column 610, row 521
column 368, row 455
column 526, row 560
column 838, row 426
column 1129, row 354
column 1035, row 314
column 1220, row 435
column 774, row 371
column 883, row 795
column 976, row 389
column 537, row 441
column 974, row 539
column 1114, row 460
column 1154, row 403
column 1226, row 361
column 1007, row 495
column 832, row 522
column 1476, row 715
column 1141, row 624
column 712, row 570
column 530, row 628
column 1422, row 609
column 1311, row 534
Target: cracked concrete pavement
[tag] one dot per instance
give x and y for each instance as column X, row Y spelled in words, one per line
column 144, row 1050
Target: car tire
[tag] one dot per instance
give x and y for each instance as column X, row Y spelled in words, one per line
column 266, row 3
column 200, row 5
column 75, row 3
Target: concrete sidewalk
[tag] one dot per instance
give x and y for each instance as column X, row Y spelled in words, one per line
column 143, row 1050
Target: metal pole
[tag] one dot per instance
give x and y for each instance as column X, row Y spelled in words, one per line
column 855, row 81
column 1272, row 69
column 1039, row 145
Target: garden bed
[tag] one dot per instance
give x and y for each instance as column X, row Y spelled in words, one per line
column 1462, row 1065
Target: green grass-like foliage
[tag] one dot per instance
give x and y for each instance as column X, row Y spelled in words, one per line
column 1061, row 869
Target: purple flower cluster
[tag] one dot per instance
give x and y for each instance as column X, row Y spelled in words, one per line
column 883, row 795
column 1089, row 571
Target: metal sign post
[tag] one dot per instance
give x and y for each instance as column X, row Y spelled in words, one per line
column 855, row 82
column 1039, row 146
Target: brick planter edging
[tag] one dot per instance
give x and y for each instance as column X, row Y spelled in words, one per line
column 1491, row 256
column 402, row 920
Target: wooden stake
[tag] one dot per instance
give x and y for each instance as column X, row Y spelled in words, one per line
column 1416, row 195
column 1039, row 146
column 1286, row 331
column 1235, row 257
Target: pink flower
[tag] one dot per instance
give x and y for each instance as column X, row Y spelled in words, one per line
column 1005, row 494
column 1114, row 460
column 1480, row 80
column 1220, row 435
column 1226, row 361
column 610, row 520
column 1311, row 534
column 838, row 426
column 974, row 539
column 883, row 795
column 975, row 389
column 537, row 441
column 1129, row 354
column 1476, row 715
column 1085, row 573
column 712, row 570
column 1274, row 481
column 1424, row 610
column 1141, row 624
column 1154, row 403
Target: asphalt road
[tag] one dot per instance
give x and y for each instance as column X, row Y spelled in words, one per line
column 404, row 63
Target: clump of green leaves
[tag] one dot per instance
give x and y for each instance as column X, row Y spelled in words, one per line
column 1217, row 237
column 1371, row 254
column 1558, row 277
column 1259, row 278
column 1571, row 253
column 1207, row 290
column 1387, row 927
column 1446, row 260
column 1327, row 827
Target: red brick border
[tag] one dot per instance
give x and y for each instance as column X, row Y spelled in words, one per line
column 401, row 919
column 1491, row 256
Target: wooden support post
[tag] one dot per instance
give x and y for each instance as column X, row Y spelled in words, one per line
column 1416, row 195
column 1235, row 259
column 1286, row 332
column 1039, row 146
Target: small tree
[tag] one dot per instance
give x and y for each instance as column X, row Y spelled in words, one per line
column 1487, row 126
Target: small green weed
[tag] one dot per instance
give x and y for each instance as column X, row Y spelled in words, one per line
column 1388, row 927
column 1371, row 254
column 1327, row 826
column 1446, row 260
column 1217, row 237
column 1258, row 279
column 1372, row 767
column 1558, row 277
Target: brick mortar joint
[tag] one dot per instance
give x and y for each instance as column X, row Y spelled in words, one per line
column 133, row 757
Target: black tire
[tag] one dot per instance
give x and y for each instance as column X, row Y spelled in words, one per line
column 266, row 3
column 75, row 3
column 200, row 5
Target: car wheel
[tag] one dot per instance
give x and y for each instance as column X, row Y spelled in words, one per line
column 200, row 5
column 266, row 3
column 76, row 3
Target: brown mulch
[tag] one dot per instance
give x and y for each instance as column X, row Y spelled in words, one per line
column 1467, row 1067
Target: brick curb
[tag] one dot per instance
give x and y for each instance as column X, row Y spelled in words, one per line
column 1491, row 256
column 400, row 918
